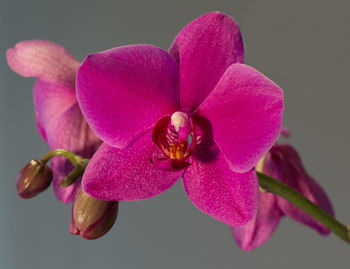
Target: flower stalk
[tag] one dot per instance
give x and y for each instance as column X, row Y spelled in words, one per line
column 275, row 186
column 79, row 163
column 267, row 183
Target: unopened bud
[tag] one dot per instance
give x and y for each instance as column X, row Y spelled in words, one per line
column 92, row 218
column 33, row 179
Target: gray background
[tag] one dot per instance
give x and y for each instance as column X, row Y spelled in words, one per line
column 302, row 45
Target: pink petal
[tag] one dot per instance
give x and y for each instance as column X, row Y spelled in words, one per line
column 258, row 231
column 40, row 128
column 59, row 115
column 124, row 91
column 43, row 59
column 286, row 166
column 127, row 174
column 51, row 101
column 245, row 111
column 74, row 134
column 216, row 190
column 204, row 49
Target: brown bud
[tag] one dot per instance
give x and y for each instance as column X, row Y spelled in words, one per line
column 33, row 179
column 92, row 218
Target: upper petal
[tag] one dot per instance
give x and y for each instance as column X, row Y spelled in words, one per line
column 124, row 91
column 43, row 59
column 59, row 116
column 204, row 49
column 126, row 174
column 219, row 192
column 245, row 111
column 285, row 164
column 258, row 231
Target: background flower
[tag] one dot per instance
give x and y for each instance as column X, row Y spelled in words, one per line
column 282, row 162
column 58, row 116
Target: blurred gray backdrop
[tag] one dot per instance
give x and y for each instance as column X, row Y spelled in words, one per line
column 302, row 45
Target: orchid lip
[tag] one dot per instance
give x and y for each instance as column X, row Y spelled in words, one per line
column 175, row 136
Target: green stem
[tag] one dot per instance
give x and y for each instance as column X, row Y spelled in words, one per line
column 79, row 163
column 73, row 175
column 74, row 158
column 277, row 187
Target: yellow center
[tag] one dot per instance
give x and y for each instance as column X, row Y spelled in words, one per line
column 177, row 151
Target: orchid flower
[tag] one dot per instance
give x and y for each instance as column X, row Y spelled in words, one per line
column 58, row 116
column 194, row 112
column 282, row 162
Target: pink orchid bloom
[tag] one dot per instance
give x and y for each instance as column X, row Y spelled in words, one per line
column 282, row 162
column 194, row 112
column 58, row 116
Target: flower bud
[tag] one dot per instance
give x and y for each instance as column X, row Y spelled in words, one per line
column 92, row 218
column 33, row 179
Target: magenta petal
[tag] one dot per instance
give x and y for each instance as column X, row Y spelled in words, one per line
column 221, row 193
column 127, row 174
column 258, row 231
column 59, row 115
column 43, row 59
column 245, row 110
column 204, row 49
column 124, row 91
column 285, row 165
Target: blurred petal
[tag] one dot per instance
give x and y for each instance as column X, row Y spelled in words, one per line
column 204, row 49
column 286, row 165
column 74, row 134
column 127, row 174
column 59, row 115
column 51, row 101
column 245, row 110
column 124, row 91
column 219, row 192
column 40, row 128
column 43, row 59
column 258, row 231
